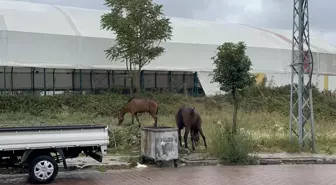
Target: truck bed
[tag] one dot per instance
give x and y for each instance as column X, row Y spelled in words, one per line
column 22, row 138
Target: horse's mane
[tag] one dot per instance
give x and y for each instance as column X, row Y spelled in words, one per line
column 130, row 99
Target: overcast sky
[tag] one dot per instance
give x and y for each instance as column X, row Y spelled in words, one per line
column 266, row 13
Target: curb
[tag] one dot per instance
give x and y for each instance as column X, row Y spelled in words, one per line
column 208, row 162
column 302, row 160
column 266, row 161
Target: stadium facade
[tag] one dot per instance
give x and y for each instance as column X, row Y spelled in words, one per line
column 57, row 48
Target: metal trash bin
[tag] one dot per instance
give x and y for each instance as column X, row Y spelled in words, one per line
column 159, row 144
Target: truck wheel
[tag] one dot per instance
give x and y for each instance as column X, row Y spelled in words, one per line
column 42, row 170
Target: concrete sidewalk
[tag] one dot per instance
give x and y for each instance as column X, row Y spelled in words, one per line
column 196, row 159
column 203, row 175
column 114, row 162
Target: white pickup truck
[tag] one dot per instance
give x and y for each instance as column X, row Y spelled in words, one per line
column 40, row 149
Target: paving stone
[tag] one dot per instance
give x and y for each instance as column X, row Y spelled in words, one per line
column 212, row 175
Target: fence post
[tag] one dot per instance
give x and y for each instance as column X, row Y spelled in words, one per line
column 170, row 81
column 33, row 80
column 155, row 80
column 142, row 83
column 5, row 80
column 91, row 83
column 54, row 80
column 45, row 81
column 108, row 80
column 113, row 81
column 195, row 89
column 81, row 82
column 73, row 80
column 12, row 81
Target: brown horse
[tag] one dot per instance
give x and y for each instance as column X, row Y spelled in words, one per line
column 138, row 105
column 190, row 120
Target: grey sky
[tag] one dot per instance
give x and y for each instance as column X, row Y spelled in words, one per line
column 266, row 13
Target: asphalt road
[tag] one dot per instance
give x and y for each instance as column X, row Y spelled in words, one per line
column 211, row 175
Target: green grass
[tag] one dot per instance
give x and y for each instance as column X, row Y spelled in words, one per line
column 263, row 117
column 268, row 132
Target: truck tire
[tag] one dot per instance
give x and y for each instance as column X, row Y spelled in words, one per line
column 42, row 170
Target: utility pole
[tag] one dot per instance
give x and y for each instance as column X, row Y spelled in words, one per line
column 301, row 101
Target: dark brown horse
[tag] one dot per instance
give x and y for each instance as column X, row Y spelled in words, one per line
column 189, row 119
column 135, row 106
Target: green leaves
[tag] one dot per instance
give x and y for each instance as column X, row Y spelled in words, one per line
column 233, row 67
column 140, row 26
column 232, row 72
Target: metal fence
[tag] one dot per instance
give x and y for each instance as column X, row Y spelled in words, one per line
column 42, row 81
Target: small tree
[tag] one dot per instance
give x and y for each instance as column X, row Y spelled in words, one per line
column 140, row 26
column 232, row 72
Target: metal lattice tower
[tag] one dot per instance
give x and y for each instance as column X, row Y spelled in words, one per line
column 301, row 102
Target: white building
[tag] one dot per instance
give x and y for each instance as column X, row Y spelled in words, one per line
column 36, row 37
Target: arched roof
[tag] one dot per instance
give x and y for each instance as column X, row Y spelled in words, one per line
column 60, row 20
column 50, row 36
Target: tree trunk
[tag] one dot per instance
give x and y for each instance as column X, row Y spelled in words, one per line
column 137, row 81
column 132, row 83
column 130, row 75
column 235, row 111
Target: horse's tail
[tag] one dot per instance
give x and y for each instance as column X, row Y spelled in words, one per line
column 157, row 110
column 180, row 122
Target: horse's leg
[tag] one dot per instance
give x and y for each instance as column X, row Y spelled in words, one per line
column 154, row 117
column 155, row 123
column 132, row 118
column 137, row 118
column 186, row 134
column 203, row 137
column 179, row 137
column 192, row 137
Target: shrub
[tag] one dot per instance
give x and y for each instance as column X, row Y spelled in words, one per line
column 231, row 148
column 256, row 99
column 124, row 138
